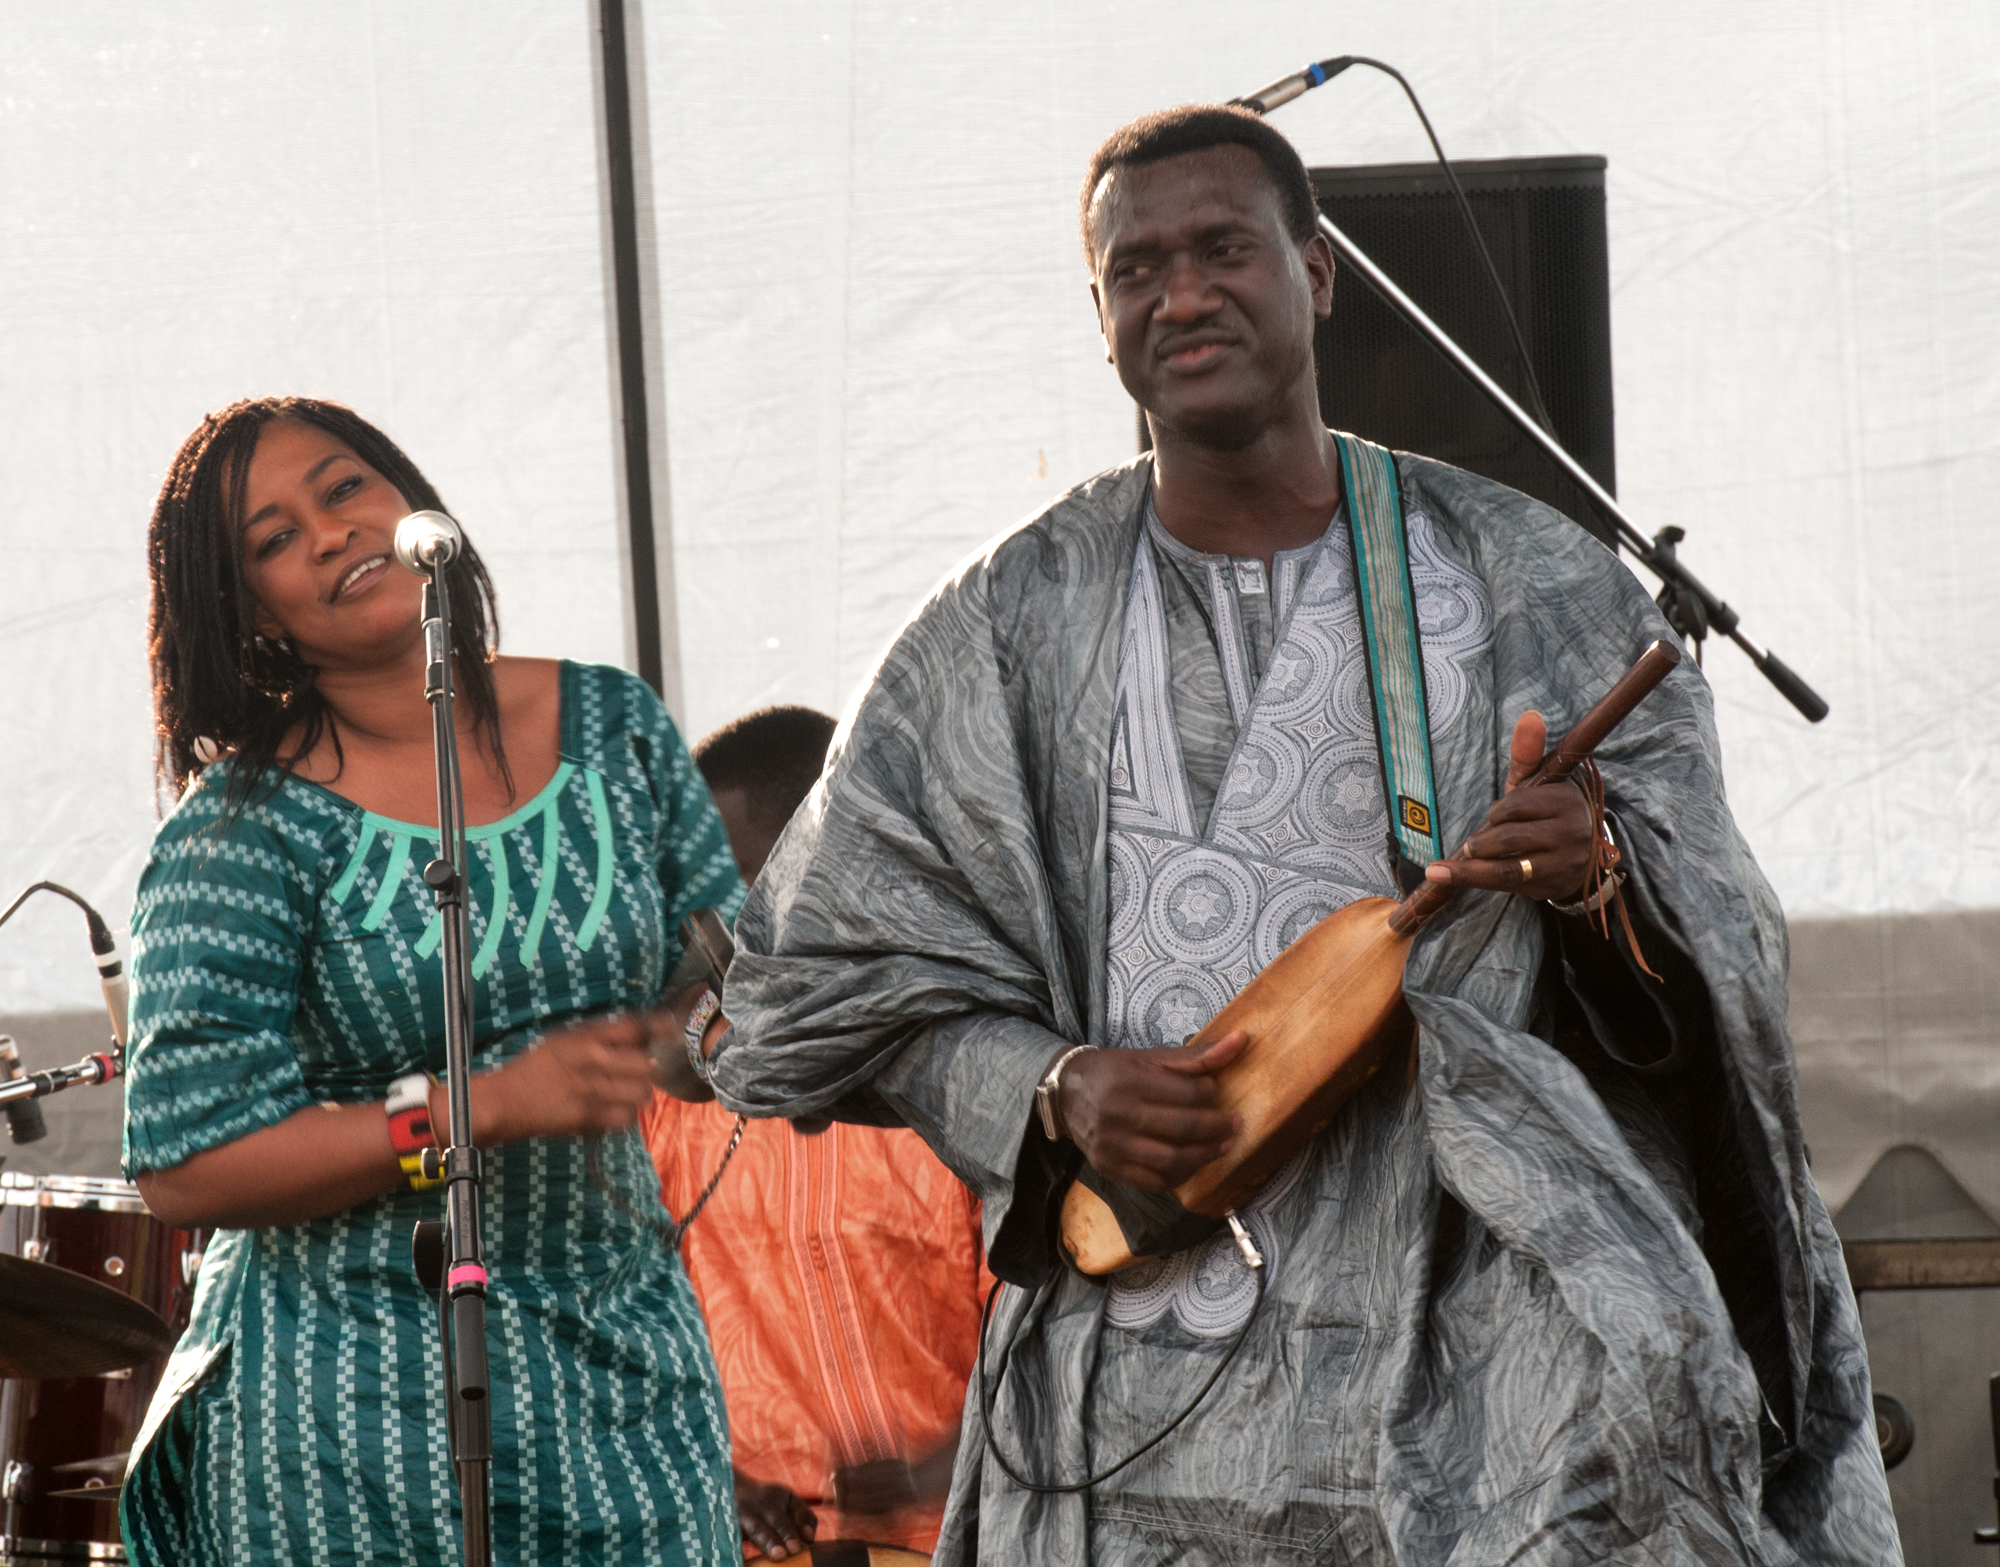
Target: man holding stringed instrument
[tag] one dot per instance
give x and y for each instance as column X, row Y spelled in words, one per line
column 1531, row 1268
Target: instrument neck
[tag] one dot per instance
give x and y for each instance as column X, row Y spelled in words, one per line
column 1421, row 907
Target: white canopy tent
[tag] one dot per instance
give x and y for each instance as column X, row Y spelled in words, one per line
column 869, row 350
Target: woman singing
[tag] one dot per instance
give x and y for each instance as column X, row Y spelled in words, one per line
column 287, row 1021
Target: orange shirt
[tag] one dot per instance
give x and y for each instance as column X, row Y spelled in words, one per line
column 842, row 1278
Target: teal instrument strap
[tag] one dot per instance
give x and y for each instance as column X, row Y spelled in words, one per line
column 1395, row 654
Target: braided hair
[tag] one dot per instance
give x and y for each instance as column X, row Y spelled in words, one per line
column 218, row 687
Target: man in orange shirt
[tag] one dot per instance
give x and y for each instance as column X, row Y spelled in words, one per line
column 840, row 1269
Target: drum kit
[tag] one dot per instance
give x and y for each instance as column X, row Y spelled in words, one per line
column 93, row 1292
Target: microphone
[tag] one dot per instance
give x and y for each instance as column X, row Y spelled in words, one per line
column 25, row 1123
column 110, row 972
column 110, row 976
column 1286, row 88
column 426, row 540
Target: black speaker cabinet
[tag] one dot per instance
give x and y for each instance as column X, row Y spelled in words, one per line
column 1543, row 220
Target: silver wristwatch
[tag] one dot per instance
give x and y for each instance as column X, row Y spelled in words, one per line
column 1045, row 1091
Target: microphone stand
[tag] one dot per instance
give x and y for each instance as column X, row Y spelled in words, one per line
column 1686, row 592
column 99, row 1068
column 469, row 1410
column 1658, row 556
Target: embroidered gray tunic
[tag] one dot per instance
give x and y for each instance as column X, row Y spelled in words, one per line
column 1501, row 1325
column 1297, row 829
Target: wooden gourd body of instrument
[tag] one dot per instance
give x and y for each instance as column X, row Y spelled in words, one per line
column 1322, row 1018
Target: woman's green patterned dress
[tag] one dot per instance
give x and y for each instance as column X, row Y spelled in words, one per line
column 290, row 959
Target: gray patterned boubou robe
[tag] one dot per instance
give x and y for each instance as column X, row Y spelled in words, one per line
column 1557, row 1301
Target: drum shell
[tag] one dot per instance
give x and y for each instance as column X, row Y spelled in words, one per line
column 100, row 1229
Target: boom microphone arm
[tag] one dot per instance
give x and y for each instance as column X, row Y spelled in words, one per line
column 1657, row 557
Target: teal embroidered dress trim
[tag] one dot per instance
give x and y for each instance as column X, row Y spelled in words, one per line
column 547, row 807
column 545, row 891
column 600, row 899
column 279, row 960
column 392, row 879
column 1395, row 655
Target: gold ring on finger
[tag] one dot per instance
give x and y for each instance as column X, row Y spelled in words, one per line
column 1527, row 869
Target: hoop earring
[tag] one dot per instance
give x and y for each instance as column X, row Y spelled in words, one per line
column 275, row 667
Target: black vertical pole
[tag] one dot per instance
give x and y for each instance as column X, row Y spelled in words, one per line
column 631, row 342
column 1992, row 1536
column 470, row 1418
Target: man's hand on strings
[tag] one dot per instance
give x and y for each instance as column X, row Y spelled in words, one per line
column 1536, row 841
column 1149, row 1118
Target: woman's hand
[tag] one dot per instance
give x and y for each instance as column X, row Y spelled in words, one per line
column 1148, row 1118
column 1544, row 829
column 580, row 1081
column 588, row 1078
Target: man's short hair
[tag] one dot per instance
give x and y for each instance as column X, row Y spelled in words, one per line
column 773, row 755
column 1195, row 127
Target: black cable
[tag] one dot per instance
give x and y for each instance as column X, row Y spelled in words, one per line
column 986, row 1403
column 1286, row 88
column 1533, row 385
column 100, row 933
column 1689, row 604
column 715, row 1180
column 671, row 1234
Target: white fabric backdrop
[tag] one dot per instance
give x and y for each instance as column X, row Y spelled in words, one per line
column 872, row 350
column 394, row 206
column 879, row 351
column 876, row 351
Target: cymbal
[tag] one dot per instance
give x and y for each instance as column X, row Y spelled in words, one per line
column 54, row 1323
column 109, row 1464
column 84, row 1493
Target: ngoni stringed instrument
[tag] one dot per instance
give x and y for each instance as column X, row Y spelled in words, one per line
column 1322, row 1017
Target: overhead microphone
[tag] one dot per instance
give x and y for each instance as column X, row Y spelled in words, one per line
column 103, row 947
column 1286, row 88
column 426, row 540
column 25, row 1123
column 110, row 976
